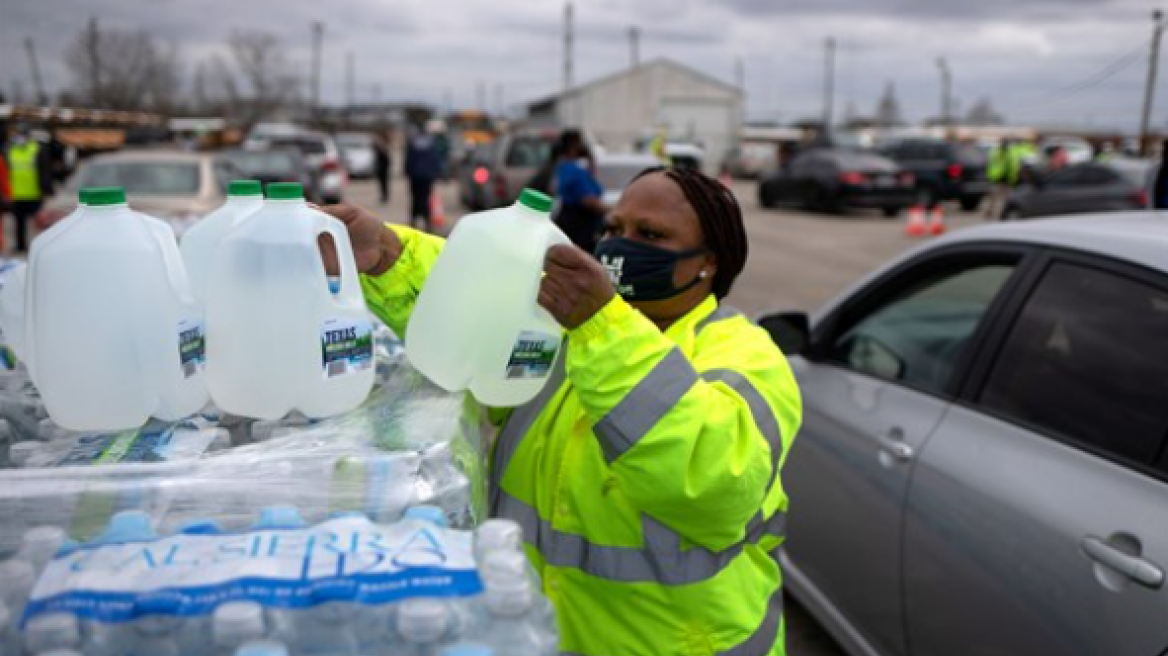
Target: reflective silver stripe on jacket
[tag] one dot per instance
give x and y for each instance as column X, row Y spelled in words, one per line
column 645, row 405
column 661, row 560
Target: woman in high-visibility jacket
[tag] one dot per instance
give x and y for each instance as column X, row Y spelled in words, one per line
column 646, row 475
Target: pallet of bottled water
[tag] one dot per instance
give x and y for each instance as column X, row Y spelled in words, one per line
column 281, row 586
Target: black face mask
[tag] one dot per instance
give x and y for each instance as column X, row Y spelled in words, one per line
column 642, row 272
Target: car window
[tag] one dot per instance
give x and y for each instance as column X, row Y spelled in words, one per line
column 304, row 145
column 917, row 337
column 148, row 178
column 225, row 172
column 1088, row 360
column 528, row 153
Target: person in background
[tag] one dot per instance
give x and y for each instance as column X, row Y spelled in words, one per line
column 30, row 178
column 1003, row 173
column 382, row 163
column 581, row 214
column 648, row 475
column 1160, row 185
column 423, row 168
column 1058, row 160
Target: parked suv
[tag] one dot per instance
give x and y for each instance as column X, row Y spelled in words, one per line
column 498, row 171
column 943, row 170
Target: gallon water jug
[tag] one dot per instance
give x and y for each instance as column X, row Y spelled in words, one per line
column 112, row 331
column 477, row 324
column 244, row 198
column 12, row 294
column 278, row 339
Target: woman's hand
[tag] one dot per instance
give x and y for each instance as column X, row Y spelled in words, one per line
column 575, row 286
column 375, row 247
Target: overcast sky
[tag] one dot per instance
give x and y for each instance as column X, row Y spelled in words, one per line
column 1073, row 61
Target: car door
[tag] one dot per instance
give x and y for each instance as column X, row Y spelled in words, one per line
column 1037, row 520
column 875, row 384
column 1064, row 192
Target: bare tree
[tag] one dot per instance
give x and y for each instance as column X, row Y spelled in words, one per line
column 256, row 81
column 120, row 69
column 983, row 113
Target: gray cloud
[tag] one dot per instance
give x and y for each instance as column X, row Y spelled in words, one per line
column 1016, row 52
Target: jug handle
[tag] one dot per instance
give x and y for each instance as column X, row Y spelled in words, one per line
column 350, row 285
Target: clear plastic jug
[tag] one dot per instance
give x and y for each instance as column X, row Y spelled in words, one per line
column 244, row 198
column 112, row 332
column 477, row 325
column 278, row 339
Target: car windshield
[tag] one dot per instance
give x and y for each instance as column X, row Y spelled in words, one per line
column 146, row 177
column 307, row 146
column 528, row 152
column 355, row 141
column 261, row 162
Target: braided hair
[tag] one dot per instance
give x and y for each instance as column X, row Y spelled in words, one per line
column 720, row 218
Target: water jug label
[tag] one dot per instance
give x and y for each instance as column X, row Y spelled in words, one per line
column 192, row 347
column 533, row 355
column 346, row 347
column 352, row 558
column 156, row 442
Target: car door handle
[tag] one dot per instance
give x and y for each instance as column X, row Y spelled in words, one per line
column 894, row 445
column 1135, row 568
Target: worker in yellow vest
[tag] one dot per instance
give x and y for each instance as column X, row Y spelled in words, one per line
column 30, row 180
column 647, row 475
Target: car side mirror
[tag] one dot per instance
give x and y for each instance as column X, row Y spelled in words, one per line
column 790, row 331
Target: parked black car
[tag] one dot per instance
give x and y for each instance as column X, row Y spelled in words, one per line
column 943, row 170
column 832, row 179
column 1090, row 187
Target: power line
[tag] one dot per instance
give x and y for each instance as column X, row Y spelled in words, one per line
column 1102, row 76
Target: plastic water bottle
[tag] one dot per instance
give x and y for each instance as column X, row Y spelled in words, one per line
column 494, row 535
column 422, row 624
column 115, row 278
column 327, row 631
column 279, row 518
column 501, row 345
column 429, row 514
column 469, row 649
column 52, row 631
column 9, row 641
column 277, row 339
column 17, row 578
column 262, row 648
column 244, row 198
column 127, row 526
column 25, row 454
column 235, row 624
column 40, row 544
column 512, row 627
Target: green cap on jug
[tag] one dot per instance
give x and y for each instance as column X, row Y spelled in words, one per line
column 244, row 188
column 83, row 196
column 285, row 191
column 538, row 201
column 106, row 196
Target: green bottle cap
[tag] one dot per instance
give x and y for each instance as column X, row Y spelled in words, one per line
column 99, row 196
column 83, row 196
column 244, row 188
column 285, row 191
column 538, row 201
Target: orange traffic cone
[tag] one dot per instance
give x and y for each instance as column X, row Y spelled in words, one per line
column 437, row 212
column 915, row 226
column 937, row 221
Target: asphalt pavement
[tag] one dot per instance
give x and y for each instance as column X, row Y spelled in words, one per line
column 797, row 261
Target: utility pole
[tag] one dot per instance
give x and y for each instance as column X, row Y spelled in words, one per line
column 350, row 80
column 634, row 47
column 38, row 85
column 1150, row 87
column 828, row 83
column 739, row 73
column 568, row 16
column 946, row 92
column 498, row 99
column 481, row 96
column 317, row 41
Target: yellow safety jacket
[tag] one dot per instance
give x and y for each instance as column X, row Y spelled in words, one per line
column 22, row 171
column 645, row 475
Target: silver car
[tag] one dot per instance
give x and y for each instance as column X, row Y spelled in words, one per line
column 983, row 467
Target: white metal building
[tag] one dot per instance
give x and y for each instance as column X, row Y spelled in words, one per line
column 633, row 104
